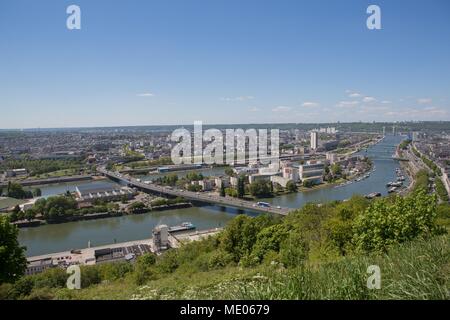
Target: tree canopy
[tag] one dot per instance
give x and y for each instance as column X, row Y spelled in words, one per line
column 12, row 256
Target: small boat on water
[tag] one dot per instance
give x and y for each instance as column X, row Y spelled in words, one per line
column 185, row 226
column 373, row 195
column 394, row 184
column 393, row 189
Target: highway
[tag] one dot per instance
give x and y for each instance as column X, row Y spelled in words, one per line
column 194, row 196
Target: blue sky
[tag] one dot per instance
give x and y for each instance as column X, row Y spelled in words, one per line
column 234, row 61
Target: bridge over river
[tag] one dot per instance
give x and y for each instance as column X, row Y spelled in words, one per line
column 194, row 196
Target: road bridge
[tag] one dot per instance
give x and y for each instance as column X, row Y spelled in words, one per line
column 194, row 196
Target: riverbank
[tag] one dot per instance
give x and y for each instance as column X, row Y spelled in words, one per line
column 55, row 238
column 101, row 215
column 87, row 256
column 42, row 182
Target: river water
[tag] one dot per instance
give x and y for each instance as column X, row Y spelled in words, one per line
column 66, row 236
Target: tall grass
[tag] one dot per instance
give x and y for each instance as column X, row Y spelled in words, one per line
column 414, row 270
column 417, row 270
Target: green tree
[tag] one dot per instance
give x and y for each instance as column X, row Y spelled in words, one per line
column 55, row 207
column 30, row 214
column 137, row 206
column 112, row 207
column 194, row 188
column 307, row 183
column 194, row 176
column 260, row 189
column 222, row 190
column 15, row 190
column 293, row 250
column 269, row 239
column 388, row 221
column 291, row 186
column 232, row 192
column 336, row 169
column 239, row 236
column 12, row 256
column 37, row 192
column 229, row 172
column 241, row 187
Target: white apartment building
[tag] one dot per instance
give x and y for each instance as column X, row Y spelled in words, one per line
column 291, row 173
column 312, row 171
column 314, row 140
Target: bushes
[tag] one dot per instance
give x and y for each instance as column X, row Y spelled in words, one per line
column 114, row 271
column 293, row 250
column 269, row 239
column 167, row 202
column 21, row 288
column 137, row 207
column 320, row 252
column 168, row 263
column 219, row 259
column 414, row 270
column 260, row 189
column 441, row 191
column 12, row 256
column 15, row 190
column 142, row 269
column 51, row 278
column 384, row 223
column 241, row 233
column 90, row 275
column 291, row 186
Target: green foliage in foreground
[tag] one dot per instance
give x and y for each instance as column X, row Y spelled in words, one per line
column 12, row 255
column 440, row 190
column 317, row 252
column 415, row 270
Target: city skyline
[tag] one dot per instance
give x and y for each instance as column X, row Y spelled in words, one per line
column 152, row 63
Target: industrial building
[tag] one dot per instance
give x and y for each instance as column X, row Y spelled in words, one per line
column 38, row 266
column 89, row 193
column 128, row 253
column 15, row 173
column 161, row 237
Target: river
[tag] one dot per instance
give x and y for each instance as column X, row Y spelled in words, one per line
column 61, row 237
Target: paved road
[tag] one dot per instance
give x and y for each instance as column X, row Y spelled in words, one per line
column 195, row 196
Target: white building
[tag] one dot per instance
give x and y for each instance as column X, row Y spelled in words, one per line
column 291, row 173
column 271, row 169
column 234, row 181
column 280, row 180
column 415, row 136
column 245, row 170
column 314, row 140
column 259, row 177
column 16, row 173
column 312, row 171
column 332, row 157
column 222, row 181
column 206, row 185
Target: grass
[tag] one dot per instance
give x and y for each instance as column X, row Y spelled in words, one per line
column 57, row 174
column 6, row 202
column 414, row 270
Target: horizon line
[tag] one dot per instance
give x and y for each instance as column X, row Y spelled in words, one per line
column 222, row 124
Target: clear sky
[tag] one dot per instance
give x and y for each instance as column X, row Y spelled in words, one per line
column 222, row 61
